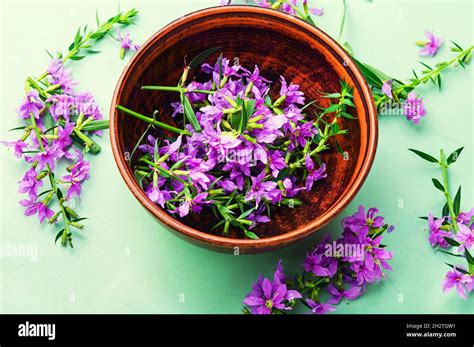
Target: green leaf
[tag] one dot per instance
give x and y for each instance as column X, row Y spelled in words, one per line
column 348, row 102
column 59, row 193
column 347, row 115
column 198, row 59
column 424, row 155
column 332, row 95
column 437, row 184
column 445, row 211
column 454, row 156
column 458, row 268
column 451, row 241
column 251, row 235
column 58, row 235
column 427, row 66
column 371, row 78
column 77, row 57
column 450, row 253
column 457, row 202
column 189, row 112
column 19, row 128
column 469, row 257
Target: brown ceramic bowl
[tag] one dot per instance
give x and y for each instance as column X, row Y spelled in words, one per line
column 280, row 45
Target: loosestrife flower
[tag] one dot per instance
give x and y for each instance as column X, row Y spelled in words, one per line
column 461, row 281
column 126, row 43
column 269, row 297
column 414, row 108
column 32, row 104
column 344, row 267
column 387, row 89
column 432, row 46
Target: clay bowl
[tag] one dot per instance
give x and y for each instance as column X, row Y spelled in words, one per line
column 280, row 45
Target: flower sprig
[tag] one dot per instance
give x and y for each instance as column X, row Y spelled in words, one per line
column 391, row 95
column 332, row 270
column 239, row 152
column 453, row 232
column 60, row 123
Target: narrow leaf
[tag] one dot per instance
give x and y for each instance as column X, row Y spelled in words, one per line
column 424, row 155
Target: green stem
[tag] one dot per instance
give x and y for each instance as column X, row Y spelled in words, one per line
column 153, row 121
column 449, row 201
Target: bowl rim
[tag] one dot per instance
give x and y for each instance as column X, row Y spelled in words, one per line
column 272, row 242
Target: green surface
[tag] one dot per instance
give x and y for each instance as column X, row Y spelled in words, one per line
column 126, row 262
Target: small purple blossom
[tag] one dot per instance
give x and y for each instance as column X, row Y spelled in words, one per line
column 18, row 147
column 32, row 104
column 431, row 47
column 267, row 297
column 126, row 42
column 319, row 308
column 291, row 93
column 30, row 184
column 79, row 173
column 313, row 174
column 34, row 207
column 414, row 108
column 461, row 281
column 387, row 89
column 437, row 235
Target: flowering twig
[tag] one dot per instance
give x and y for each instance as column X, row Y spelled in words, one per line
column 57, row 117
column 454, row 228
column 341, row 268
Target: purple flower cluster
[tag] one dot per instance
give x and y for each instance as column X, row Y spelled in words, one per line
column 269, row 297
column 343, row 267
column 55, row 116
column 442, row 235
column 250, row 152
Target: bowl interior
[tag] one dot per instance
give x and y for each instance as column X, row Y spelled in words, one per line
column 279, row 46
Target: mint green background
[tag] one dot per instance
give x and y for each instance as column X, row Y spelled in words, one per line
column 125, row 262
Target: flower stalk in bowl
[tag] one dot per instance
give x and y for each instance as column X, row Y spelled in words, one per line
column 243, row 147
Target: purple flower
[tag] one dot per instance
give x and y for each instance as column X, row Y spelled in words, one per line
column 195, row 204
column 261, row 189
column 437, row 235
column 300, row 134
column 276, row 162
column 18, row 147
column 30, row 184
column 157, row 195
column 457, row 279
column 292, row 93
column 387, row 88
column 79, row 173
column 414, row 108
column 267, row 296
column 465, row 237
column 318, row 263
column 360, row 222
column 62, row 106
column 338, row 294
column 431, row 47
column 290, row 188
column 59, row 75
column 31, row 104
column 48, row 157
column 313, row 175
column 465, row 217
column 319, row 308
column 33, row 207
column 126, row 43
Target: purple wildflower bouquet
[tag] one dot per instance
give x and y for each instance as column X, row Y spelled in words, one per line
column 59, row 125
column 242, row 149
column 332, row 270
column 453, row 232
